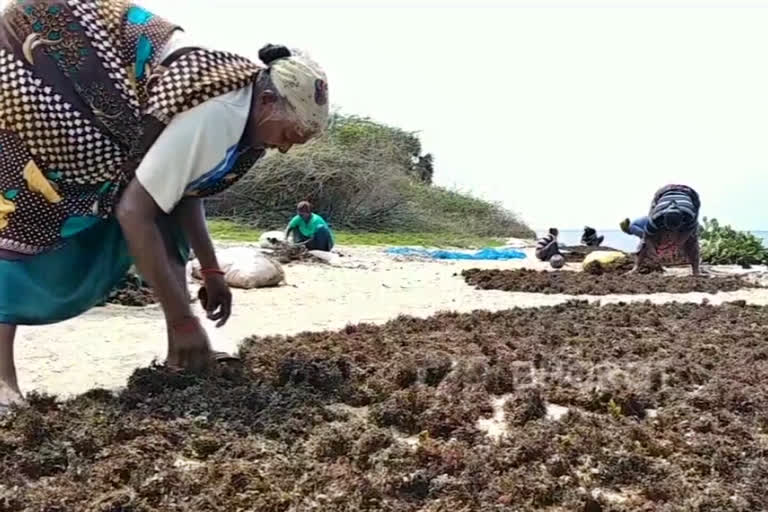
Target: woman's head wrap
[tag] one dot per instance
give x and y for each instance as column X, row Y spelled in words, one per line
column 302, row 83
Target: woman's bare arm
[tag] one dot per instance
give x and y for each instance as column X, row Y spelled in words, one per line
column 692, row 252
column 190, row 213
column 647, row 247
column 137, row 213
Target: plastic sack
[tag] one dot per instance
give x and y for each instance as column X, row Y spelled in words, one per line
column 267, row 240
column 598, row 262
column 246, row 268
column 326, row 257
column 439, row 254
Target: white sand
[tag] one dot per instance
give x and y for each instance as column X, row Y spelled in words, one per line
column 103, row 347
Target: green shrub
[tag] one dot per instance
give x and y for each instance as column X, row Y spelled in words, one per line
column 437, row 209
column 723, row 245
column 361, row 176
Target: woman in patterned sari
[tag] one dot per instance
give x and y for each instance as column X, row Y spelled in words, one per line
column 113, row 127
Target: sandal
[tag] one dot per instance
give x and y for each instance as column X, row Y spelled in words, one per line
column 218, row 358
column 225, row 357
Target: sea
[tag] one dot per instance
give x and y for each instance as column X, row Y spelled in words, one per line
column 618, row 239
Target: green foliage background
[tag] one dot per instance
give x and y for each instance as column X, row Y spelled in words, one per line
column 361, row 176
column 723, row 245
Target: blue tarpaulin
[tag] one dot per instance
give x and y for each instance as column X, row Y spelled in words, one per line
column 439, row 254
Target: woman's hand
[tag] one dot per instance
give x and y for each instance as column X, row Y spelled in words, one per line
column 217, row 300
column 189, row 347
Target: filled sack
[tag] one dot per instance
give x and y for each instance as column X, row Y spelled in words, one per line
column 246, row 268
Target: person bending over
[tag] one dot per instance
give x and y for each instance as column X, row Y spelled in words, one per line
column 671, row 224
column 590, row 238
column 546, row 246
column 310, row 229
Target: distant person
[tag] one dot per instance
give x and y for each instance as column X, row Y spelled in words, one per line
column 590, row 238
column 671, row 225
column 547, row 246
column 310, row 229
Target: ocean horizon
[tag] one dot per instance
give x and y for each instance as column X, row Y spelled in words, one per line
column 617, row 239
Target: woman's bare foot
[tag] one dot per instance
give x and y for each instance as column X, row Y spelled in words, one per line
column 9, row 385
column 8, row 397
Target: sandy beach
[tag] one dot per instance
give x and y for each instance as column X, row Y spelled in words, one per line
column 103, row 347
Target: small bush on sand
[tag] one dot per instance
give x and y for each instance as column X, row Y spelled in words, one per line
column 361, row 176
column 723, row 245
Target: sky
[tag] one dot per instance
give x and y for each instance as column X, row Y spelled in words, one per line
column 569, row 113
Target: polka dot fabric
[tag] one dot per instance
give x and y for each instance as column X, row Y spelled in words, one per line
column 181, row 87
column 82, row 97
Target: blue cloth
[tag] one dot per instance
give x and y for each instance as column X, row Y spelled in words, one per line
column 483, row 254
column 639, row 226
column 65, row 282
column 218, row 173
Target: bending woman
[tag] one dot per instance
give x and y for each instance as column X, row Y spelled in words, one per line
column 672, row 225
column 113, row 127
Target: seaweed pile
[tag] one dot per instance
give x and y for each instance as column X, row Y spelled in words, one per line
column 131, row 291
column 583, row 283
column 573, row 407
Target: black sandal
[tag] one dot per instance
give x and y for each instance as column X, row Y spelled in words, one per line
column 225, row 357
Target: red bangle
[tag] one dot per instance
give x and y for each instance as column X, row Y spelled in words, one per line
column 212, row 271
column 188, row 325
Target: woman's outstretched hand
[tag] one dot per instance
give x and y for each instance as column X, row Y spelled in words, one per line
column 189, row 347
column 216, row 299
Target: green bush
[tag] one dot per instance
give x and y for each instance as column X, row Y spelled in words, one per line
column 385, row 143
column 723, row 245
column 437, row 209
column 361, row 176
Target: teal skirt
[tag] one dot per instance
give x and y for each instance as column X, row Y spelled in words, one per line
column 66, row 282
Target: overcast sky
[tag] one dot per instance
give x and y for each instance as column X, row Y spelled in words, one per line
column 569, row 114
